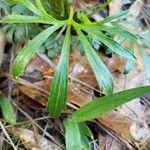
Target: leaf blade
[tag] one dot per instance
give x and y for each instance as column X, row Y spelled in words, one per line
column 113, row 17
column 116, row 29
column 31, row 7
column 7, row 109
column 84, row 129
column 26, row 19
column 58, row 92
column 106, row 104
column 72, row 135
column 29, row 50
column 101, row 72
column 113, row 45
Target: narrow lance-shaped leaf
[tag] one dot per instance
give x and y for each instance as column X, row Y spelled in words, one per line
column 113, row 45
column 7, row 109
column 26, row 19
column 85, row 143
column 72, row 135
column 29, row 51
column 59, row 88
column 84, row 129
column 106, row 104
column 114, row 29
column 113, row 17
column 101, row 72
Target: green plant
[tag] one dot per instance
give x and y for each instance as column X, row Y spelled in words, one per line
column 86, row 32
column 55, row 16
column 99, row 107
column 7, row 109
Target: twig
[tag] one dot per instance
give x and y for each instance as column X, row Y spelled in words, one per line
column 47, row 134
column 7, row 135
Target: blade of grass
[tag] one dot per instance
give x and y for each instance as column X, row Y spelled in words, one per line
column 59, row 88
column 101, row 72
column 106, row 104
column 30, row 49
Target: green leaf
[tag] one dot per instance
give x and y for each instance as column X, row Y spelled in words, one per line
column 7, row 109
column 31, row 7
column 42, row 10
column 59, row 88
column 113, row 17
column 84, row 129
column 116, row 29
column 113, row 45
column 29, row 51
column 129, row 64
column 85, row 143
column 26, row 19
column 72, row 135
column 146, row 60
column 101, row 72
column 10, row 35
column 106, row 104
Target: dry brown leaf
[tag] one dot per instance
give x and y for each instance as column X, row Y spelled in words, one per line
column 30, row 142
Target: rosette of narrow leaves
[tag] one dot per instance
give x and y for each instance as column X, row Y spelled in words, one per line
column 53, row 23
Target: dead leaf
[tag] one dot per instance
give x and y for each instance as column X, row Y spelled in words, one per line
column 30, row 142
